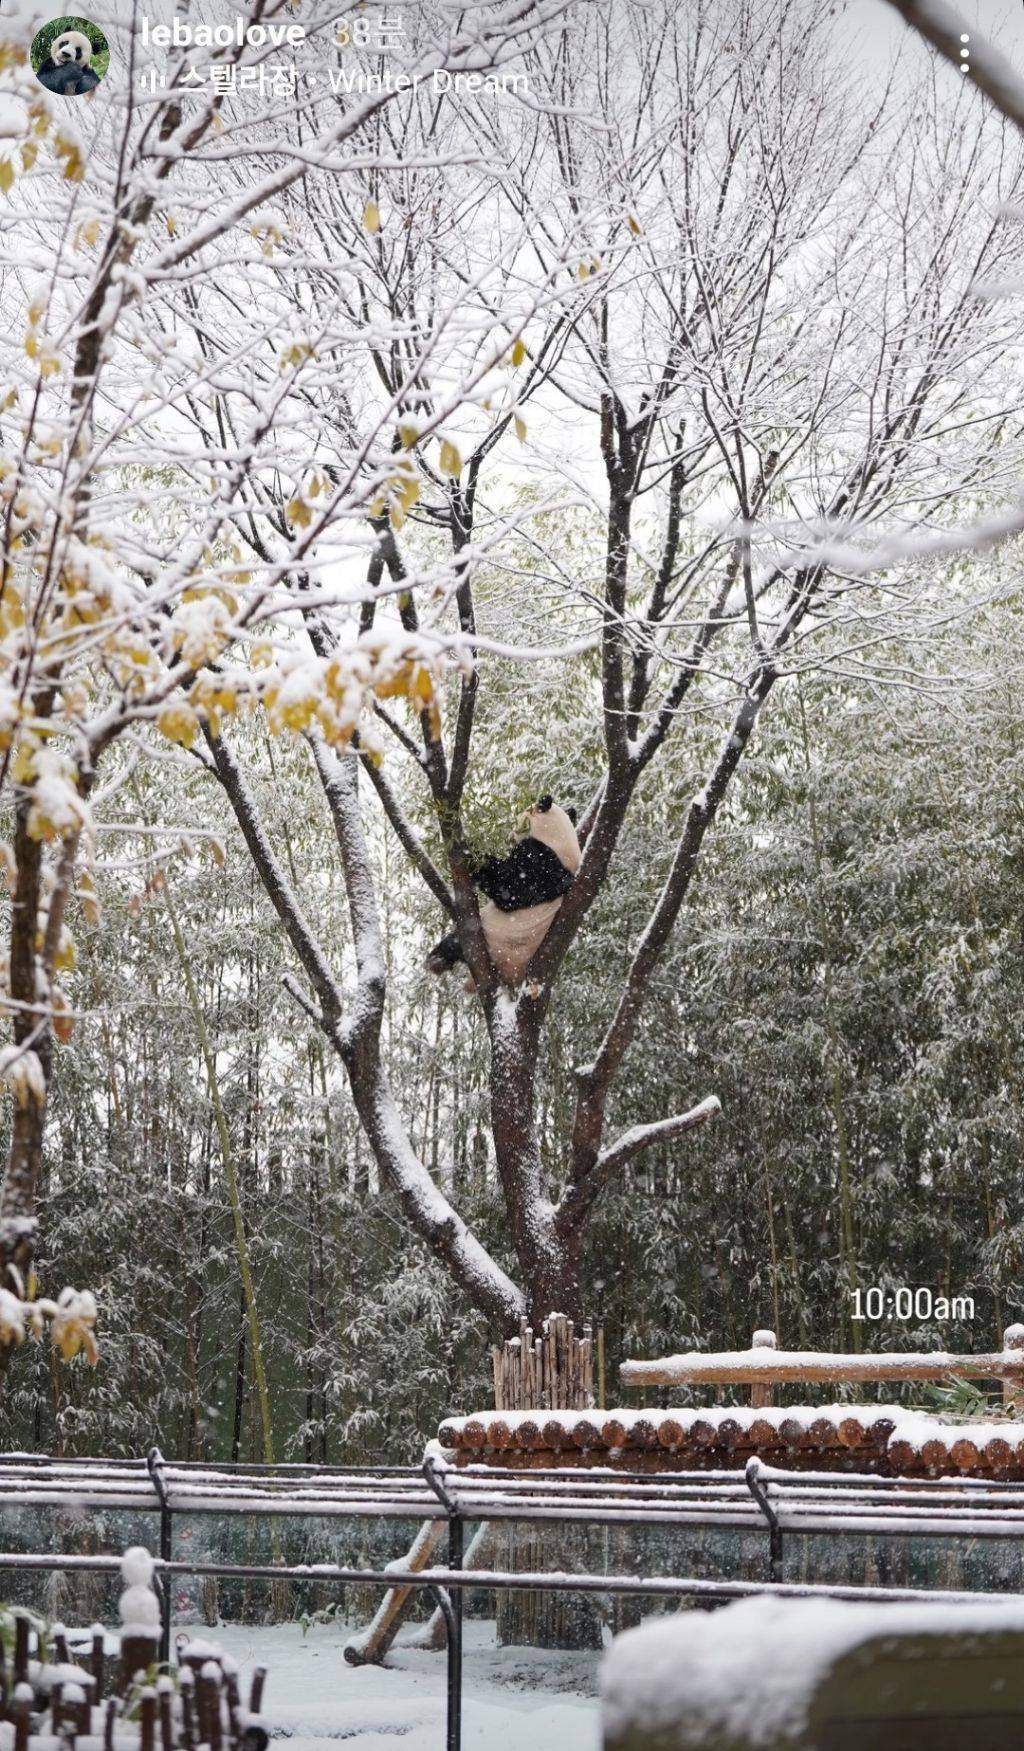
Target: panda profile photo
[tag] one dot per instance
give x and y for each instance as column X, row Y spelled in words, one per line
column 70, row 56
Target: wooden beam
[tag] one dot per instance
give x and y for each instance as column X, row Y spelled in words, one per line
column 781, row 1367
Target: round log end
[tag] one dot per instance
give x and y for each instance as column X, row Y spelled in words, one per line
column 965, row 1454
column 731, row 1433
column 823, row 1433
column 935, row 1455
column 903, row 1456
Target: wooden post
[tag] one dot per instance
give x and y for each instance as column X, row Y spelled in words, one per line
column 1013, row 1339
column 762, row 1395
column 98, row 1660
column 550, row 1372
column 139, row 1651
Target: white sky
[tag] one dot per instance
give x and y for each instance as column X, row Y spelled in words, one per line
column 873, row 31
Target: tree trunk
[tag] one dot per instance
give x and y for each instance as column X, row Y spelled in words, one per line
column 31, row 1030
column 553, row 1370
column 548, row 1260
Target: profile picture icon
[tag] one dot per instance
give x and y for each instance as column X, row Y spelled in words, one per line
column 70, row 56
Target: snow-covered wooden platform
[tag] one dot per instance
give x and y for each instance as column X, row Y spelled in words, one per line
column 883, row 1440
column 886, row 1440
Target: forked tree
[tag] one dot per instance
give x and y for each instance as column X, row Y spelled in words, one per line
column 764, row 356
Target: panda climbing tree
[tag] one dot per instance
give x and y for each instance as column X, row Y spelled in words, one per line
column 524, row 890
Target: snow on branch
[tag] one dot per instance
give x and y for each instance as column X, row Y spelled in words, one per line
column 640, row 1137
column 274, row 880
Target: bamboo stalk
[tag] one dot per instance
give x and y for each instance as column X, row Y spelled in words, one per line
column 231, row 1177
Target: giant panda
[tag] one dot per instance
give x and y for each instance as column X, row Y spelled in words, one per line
column 524, row 890
column 66, row 69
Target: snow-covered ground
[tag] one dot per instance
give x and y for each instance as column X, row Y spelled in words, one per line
column 514, row 1699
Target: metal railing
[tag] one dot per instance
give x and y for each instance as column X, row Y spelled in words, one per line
column 779, row 1503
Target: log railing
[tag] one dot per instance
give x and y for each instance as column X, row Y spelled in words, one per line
column 764, row 1367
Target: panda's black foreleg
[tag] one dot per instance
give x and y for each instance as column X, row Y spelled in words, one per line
column 445, row 955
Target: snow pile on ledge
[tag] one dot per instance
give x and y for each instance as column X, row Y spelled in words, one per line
column 752, row 1668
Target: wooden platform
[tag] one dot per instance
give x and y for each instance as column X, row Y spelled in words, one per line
column 880, row 1440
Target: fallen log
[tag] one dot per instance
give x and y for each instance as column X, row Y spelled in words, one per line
column 369, row 1646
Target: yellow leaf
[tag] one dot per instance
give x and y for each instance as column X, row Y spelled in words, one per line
column 23, row 769
column 407, row 489
column 518, row 353
column 178, row 723
column 371, row 216
column 172, row 229
column 396, row 516
column 583, row 271
column 29, row 154
column 450, row 460
column 63, row 1020
column 520, row 428
column 409, row 433
column 299, row 514
column 6, row 174
column 634, row 225
column 296, row 354
column 395, row 686
column 66, row 958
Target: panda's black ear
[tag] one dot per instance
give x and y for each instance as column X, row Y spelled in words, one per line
column 573, row 816
column 545, row 803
